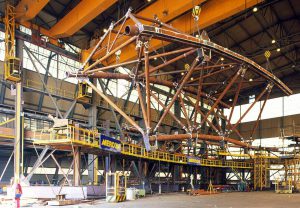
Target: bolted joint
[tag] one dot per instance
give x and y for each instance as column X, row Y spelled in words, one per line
column 270, row 86
column 132, row 30
column 242, row 71
column 148, row 130
column 138, row 44
column 146, row 45
column 175, row 85
column 111, row 26
column 184, row 128
column 128, row 12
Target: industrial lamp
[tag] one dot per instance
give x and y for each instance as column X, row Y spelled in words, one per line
column 196, row 12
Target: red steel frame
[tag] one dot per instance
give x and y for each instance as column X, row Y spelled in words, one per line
column 192, row 86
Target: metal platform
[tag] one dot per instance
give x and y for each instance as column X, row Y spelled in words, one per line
column 87, row 140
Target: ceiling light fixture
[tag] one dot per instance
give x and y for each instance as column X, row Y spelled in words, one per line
column 278, row 49
column 273, row 41
column 255, row 9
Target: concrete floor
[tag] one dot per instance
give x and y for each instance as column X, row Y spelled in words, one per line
column 223, row 200
column 181, row 200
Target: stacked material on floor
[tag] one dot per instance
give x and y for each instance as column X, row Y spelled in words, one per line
column 198, row 192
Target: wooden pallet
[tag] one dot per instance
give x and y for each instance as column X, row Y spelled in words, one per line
column 198, row 192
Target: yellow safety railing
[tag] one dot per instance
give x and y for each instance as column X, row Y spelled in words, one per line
column 68, row 134
column 233, row 154
column 138, row 151
column 83, row 136
column 89, row 138
column 7, row 121
column 53, row 90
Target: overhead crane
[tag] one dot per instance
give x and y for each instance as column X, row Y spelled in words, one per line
column 12, row 65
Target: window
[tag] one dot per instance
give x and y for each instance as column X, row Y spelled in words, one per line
column 251, row 98
column 59, row 64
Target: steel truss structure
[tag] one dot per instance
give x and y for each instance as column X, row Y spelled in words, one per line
column 212, row 80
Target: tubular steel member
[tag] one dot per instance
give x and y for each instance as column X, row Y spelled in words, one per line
column 199, row 136
column 197, row 73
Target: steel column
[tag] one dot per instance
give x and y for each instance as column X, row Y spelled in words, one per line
column 76, row 167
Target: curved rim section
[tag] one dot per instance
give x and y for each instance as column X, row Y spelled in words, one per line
column 173, row 36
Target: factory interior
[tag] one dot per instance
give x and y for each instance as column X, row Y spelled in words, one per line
column 150, row 103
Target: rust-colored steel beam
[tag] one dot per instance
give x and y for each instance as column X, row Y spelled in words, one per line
column 251, row 106
column 235, row 98
column 185, row 112
column 120, row 111
column 202, row 114
column 117, row 35
column 88, row 58
column 108, row 75
column 230, row 125
column 130, row 40
column 211, row 74
column 259, row 115
column 146, row 55
column 186, row 78
column 170, row 113
column 188, row 40
column 169, row 62
column 139, row 63
column 241, row 70
column 200, row 68
column 196, row 69
column 175, row 137
column 142, row 105
column 136, row 60
column 200, row 83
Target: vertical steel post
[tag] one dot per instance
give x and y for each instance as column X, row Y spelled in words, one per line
column 18, row 133
column 93, row 159
column 76, row 168
column 146, row 54
column 19, row 125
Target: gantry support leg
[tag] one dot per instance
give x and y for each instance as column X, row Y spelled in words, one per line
column 110, row 163
column 93, row 169
column 19, row 134
column 93, row 159
column 76, row 169
column 19, row 124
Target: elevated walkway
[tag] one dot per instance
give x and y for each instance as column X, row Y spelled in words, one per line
column 64, row 138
